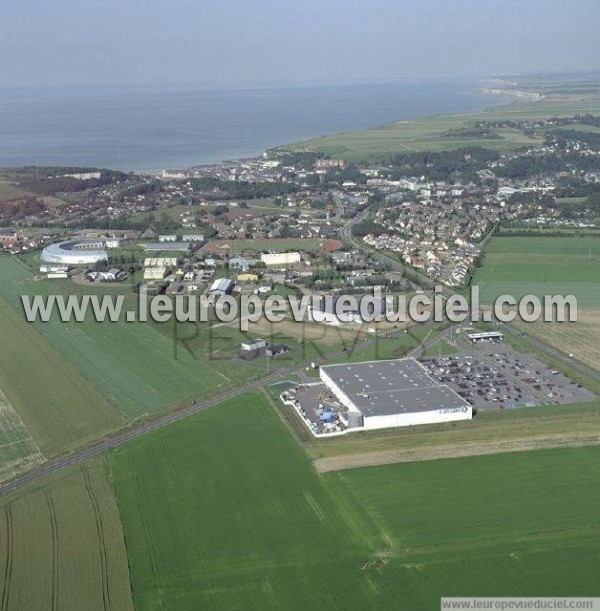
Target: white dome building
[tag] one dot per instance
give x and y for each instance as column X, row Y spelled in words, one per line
column 75, row 252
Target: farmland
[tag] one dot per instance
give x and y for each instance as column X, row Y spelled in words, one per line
column 18, row 450
column 581, row 338
column 136, row 367
column 59, row 407
column 226, row 512
column 431, row 133
column 247, row 517
column 9, row 191
column 492, row 523
column 62, row 545
column 541, row 265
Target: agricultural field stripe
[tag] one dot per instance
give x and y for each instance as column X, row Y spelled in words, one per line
column 9, row 557
column 132, row 433
column 386, row 457
column 101, row 539
column 55, row 551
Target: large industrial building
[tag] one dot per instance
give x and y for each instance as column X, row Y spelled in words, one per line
column 400, row 392
column 75, row 252
column 280, row 258
column 331, row 310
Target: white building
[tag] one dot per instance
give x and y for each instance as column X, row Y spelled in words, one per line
column 74, row 253
column 114, row 242
column 253, row 344
column 221, row 286
column 385, row 394
column 84, row 175
column 280, row 258
column 486, row 336
column 156, row 273
column 160, row 262
column 54, row 269
column 331, row 310
column 111, row 275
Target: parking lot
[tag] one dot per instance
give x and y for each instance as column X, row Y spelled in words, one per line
column 493, row 375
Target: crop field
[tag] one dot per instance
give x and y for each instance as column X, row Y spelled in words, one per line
column 226, row 512
column 581, row 338
column 62, row 545
column 60, row 408
column 492, row 523
column 9, row 191
column 18, row 450
column 249, row 524
column 429, row 133
column 540, row 266
column 136, row 367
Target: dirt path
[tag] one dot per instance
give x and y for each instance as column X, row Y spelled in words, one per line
column 385, row 457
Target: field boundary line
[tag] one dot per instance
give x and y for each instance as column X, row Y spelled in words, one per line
column 158, row 587
column 54, row 543
column 459, row 450
column 9, row 558
column 101, row 538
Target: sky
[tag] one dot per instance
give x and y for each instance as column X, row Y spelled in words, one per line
column 272, row 42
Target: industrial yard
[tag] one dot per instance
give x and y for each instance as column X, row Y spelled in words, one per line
column 486, row 375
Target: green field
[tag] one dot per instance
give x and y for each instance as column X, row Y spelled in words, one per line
column 62, row 545
column 225, row 512
column 428, row 134
column 136, row 367
column 18, row 450
column 539, row 266
column 9, row 190
column 517, row 524
column 60, row 408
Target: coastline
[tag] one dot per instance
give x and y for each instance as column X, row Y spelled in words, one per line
column 281, row 147
column 517, row 93
column 441, row 132
column 127, row 131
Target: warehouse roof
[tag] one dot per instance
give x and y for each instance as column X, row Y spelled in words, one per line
column 399, row 386
column 220, row 285
column 160, row 262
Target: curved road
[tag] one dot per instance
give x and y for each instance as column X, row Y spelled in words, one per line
column 130, row 434
column 141, row 429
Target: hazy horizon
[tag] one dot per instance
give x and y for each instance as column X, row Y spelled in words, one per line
column 272, row 43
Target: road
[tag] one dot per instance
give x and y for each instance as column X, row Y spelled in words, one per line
column 131, row 434
column 138, row 431
column 145, row 428
column 150, row 426
column 557, row 354
column 346, row 236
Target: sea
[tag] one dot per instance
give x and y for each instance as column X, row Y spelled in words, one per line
column 149, row 128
